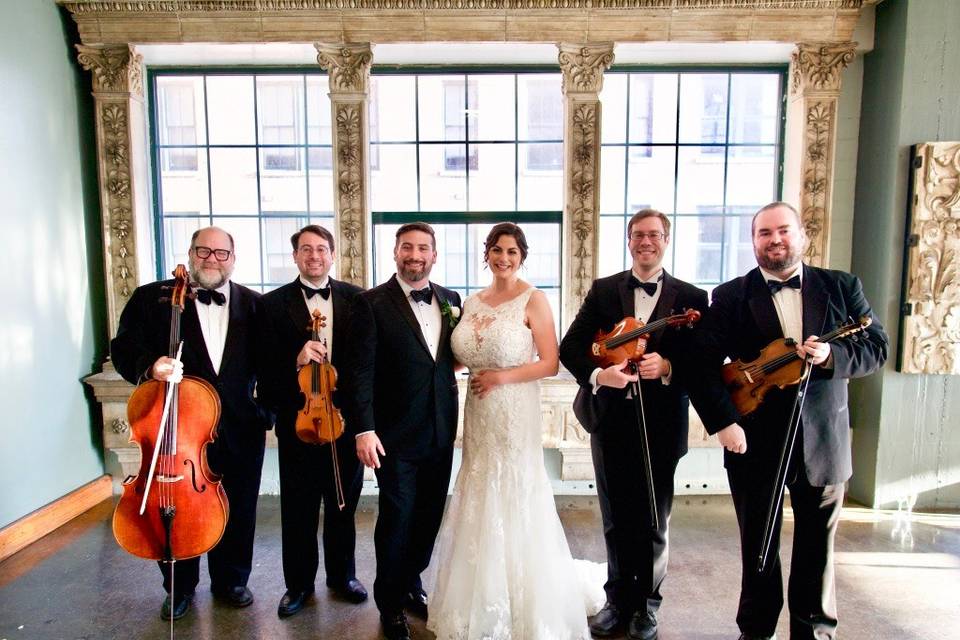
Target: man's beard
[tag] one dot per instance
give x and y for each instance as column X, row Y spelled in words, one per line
column 789, row 259
column 208, row 281
column 414, row 274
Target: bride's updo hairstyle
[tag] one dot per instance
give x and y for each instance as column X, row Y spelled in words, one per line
column 506, row 229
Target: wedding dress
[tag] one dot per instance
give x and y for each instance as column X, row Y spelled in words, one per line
column 504, row 569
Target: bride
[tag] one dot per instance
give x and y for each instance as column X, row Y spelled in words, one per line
column 504, row 567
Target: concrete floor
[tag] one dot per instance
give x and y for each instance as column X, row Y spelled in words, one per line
column 895, row 579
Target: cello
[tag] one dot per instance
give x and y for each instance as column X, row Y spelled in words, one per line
column 175, row 507
column 320, row 421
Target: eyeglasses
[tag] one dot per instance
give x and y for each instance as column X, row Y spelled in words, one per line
column 222, row 255
column 649, row 235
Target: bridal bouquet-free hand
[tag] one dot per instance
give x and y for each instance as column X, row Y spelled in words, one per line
column 451, row 313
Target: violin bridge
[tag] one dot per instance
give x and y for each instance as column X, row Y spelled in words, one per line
column 746, row 374
column 168, row 479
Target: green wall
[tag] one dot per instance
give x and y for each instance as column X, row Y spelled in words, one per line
column 52, row 328
column 906, row 427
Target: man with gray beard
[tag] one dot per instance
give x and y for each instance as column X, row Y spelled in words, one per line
column 221, row 331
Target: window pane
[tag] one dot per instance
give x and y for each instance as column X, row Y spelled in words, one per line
column 176, row 241
column 442, row 104
column 698, row 242
column 440, row 188
column 492, row 186
column 392, row 108
column 703, row 108
column 233, row 181
column 739, row 256
column 613, row 103
column 321, row 188
column 246, row 237
column 542, row 266
column 663, row 108
column 180, row 111
column 230, row 109
column 280, row 110
column 279, row 267
column 612, row 235
column 540, row 106
column 650, row 178
column 384, row 238
column 451, row 267
column 283, row 185
column 612, row 176
column 751, row 177
column 540, row 189
column 699, row 180
column 754, row 103
column 490, row 110
column 319, row 126
column 393, row 185
column 184, row 191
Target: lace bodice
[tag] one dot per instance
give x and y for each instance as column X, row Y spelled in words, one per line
column 493, row 337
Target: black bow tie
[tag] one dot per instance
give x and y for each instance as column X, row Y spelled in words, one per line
column 776, row 285
column 649, row 288
column 422, row 295
column 310, row 291
column 206, row 296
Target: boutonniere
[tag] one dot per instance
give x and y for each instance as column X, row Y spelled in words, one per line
column 451, row 313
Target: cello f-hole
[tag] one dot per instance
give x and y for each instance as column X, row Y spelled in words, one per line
column 193, row 476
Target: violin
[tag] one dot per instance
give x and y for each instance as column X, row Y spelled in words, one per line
column 175, row 507
column 778, row 365
column 320, row 421
column 628, row 338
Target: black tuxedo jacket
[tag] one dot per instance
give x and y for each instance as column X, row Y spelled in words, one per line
column 666, row 407
column 392, row 384
column 741, row 321
column 143, row 335
column 288, row 320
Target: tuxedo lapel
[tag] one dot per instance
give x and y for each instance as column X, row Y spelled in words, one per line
column 192, row 336
column 445, row 327
column 761, row 307
column 297, row 308
column 664, row 307
column 403, row 306
column 626, row 296
column 233, row 327
column 815, row 301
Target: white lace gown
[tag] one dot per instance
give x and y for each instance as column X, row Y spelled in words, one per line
column 504, row 569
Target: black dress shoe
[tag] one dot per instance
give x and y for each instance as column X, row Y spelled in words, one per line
column 608, row 622
column 352, row 591
column 643, row 626
column 239, row 596
column 395, row 626
column 747, row 636
column 292, row 602
column 181, row 604
column 416, row 603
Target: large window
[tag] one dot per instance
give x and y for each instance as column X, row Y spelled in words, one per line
column 462, row 152
column 704, row 147
column 248, row 152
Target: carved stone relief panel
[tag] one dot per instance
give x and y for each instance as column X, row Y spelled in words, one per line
column 931, row 324
column 349, row 69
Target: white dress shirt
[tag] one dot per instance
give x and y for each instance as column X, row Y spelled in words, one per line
column 428, row 315
column 789, row 304
column 326, row 310
column 214, row 320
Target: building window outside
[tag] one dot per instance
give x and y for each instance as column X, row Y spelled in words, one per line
column 462, row 152
column 705, row 148
column 261, row 144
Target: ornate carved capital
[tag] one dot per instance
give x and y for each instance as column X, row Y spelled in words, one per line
column 817, row 65
column 348, row 65
column 116, row 68
column 931, row 328
column 583, row 66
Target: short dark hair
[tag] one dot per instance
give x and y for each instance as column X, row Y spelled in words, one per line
column 315, row 229
column 774, row 205
column 416, row 226
column 193, row 238
column 649, row 213
column 506, row 229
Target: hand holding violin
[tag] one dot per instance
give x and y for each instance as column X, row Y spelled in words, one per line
column 617, row 375
column 312, row 351
column 813, row 350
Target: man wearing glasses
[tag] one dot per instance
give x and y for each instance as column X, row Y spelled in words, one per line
column 222, row 336
column 636, row 550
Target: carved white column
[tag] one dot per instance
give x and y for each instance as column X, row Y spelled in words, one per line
column 931, row 328
column 582, row 67
column 121, row 159
column 811, row 138
column 349, row 69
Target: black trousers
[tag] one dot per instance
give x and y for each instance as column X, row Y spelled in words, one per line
column 306, row 482
column 811, row 590
column 636, row 552
column 230, row 561
column 413, row 493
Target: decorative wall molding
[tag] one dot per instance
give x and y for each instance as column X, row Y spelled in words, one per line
column 582, row 67
column 815, row 88
column 116, row 69
column 545, row 21
column 931, row 324
column 349, row 69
